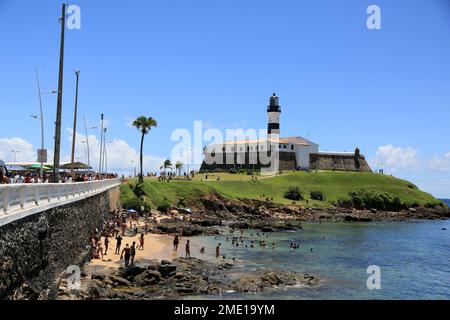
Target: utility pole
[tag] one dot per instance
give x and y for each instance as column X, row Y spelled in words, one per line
column 87, row 143
column 42, row 122
column 59, row 103
column 74, row 135
column 101, row 146
column 105, row 158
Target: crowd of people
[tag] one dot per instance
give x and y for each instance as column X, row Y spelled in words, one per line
column 32, row 177
column 115, row 229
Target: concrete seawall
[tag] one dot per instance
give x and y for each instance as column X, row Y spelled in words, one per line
column 35, row 250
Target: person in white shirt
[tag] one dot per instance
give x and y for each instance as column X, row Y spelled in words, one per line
column 19, row 179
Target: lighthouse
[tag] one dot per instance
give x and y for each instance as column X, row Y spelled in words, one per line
column 273, row 112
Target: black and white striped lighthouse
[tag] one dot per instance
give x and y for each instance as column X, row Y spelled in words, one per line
column 274, row 112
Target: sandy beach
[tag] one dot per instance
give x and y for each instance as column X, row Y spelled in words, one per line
column 156, row 247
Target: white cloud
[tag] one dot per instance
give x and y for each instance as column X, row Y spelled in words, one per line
column 26, row 150
column 440, row 163
column 395, row 158
column 119, row 154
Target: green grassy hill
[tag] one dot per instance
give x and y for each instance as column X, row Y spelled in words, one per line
column 334, row 185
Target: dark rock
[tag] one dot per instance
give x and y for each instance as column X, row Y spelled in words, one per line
column 117, row 280
column 272, row 278
column 148, row 278
column 268, row 229
column 131, row 272
column 240, row 225
column 167, row 269
column 100, row 277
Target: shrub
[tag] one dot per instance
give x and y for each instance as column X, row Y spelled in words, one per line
column 317, row 195
column 164, row 206
column 133, row 204
column 371, row 200
column 293, row 194
column 232, row 171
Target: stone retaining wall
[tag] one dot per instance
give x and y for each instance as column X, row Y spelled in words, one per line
column 36, row 250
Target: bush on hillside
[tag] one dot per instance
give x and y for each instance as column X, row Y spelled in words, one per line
column 317, row 195
column 133, row 204
column 164, row 206
column 363, row 199
column 293, row 193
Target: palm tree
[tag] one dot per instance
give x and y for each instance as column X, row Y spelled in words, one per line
column 144, row 125
column 179, row 165
column 167, row 164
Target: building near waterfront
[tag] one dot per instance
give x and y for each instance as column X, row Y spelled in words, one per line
column 292, row 153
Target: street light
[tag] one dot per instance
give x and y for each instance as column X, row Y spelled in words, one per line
column 15, row 152
column 132, row 167
column 41, row 118
column 86, row 151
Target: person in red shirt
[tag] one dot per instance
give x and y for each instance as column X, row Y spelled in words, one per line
column 28, row 179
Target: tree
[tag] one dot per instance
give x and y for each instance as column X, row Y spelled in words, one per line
column 144, row 125
column 179, row 165
column 167, row 164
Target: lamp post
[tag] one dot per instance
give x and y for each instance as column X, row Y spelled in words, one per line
column 101, row 144
column 15, row 152
column 74, row 133
column 41, row 118
column 87, row 144
column 86, row 152
column 132, row 167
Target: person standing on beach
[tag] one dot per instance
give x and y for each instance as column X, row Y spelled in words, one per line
column 118, row 243
column 176, row 241
column 124, row 227
column 141, row 242
column 127, row 253
column 188, row 249
column 106, row 244
column 133, row 252
column 99, row 250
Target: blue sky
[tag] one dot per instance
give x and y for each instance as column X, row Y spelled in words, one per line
column 219, row 61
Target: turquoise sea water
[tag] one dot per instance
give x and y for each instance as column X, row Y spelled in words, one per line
column 414, row 258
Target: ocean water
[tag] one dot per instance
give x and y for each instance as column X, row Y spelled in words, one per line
column 414, row 258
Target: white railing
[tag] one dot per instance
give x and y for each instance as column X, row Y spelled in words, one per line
column 16, row 198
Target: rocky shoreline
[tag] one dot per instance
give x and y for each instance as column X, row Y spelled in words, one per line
column 150, row 279
column 180, row 278
column 213, row 211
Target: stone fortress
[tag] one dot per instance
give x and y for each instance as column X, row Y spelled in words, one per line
column 294, row 153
